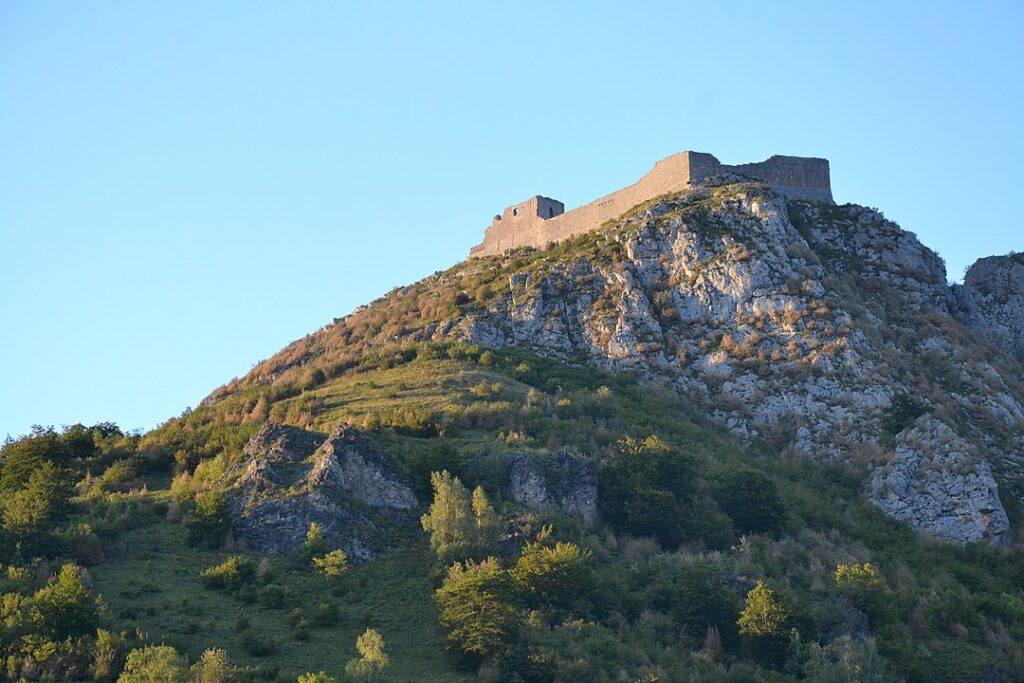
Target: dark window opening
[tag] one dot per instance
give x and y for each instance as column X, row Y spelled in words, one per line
column 515, row 212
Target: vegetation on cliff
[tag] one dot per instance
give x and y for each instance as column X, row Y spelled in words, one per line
column 720, row 549
column 568, row 602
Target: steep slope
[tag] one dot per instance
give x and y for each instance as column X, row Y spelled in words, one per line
column 821, row 330
column 991, row 301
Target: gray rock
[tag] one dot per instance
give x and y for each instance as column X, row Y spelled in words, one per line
column 560, row 481
column 938, row 488
column 275, row 442
column 991, row 301
column 349, row 464
column 292, row 478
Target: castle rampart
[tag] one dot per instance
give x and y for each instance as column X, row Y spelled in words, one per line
column 540, row 221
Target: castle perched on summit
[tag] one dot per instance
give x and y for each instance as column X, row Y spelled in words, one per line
column 540, row 221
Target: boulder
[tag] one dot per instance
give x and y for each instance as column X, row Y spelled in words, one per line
column 560, row 481
column 991, row 301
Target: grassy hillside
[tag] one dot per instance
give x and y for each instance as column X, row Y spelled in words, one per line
column 154, row 583
column 934, row 612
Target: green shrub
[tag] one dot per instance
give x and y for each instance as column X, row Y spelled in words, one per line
column 372, row 661
column 751, row 501
column 300, row 630
column 154, row 664
column 858, row 579
column 647, row 489
column 247, row 594
column 108, row 655
column 233, row 573
column 325, row 613
column 30, row 509
column 844, row 659
column 764, row 614
column 700, row 600
column 208, row 521
column 477, row 607
column 332, row 565
column 459, row 525
column 65, row 606
column 903, row 411
column 315, row 543
column 120, row 476
column 320, row 677
column 255, row 645
column 553, row 576
column 866, row 589
column 213, row 667
column 272, row 596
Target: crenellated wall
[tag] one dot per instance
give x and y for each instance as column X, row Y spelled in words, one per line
column 539, row 221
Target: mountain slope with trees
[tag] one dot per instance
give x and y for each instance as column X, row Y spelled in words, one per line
column 726, row 437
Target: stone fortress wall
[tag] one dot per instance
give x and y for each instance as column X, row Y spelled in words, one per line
column 540, row 221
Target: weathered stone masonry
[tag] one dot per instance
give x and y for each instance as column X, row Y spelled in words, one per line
column 540, row 221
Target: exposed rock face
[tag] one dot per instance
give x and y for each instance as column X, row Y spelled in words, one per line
column 560, row 480
column 992, row 301
column 793, row 322
column 936, row 485
column 349, row 464
column 282, row 443
column 797, row 323
column 346, row 485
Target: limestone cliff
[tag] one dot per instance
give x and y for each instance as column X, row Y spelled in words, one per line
column 795, row 323
column 991, row 301
column 825, row 331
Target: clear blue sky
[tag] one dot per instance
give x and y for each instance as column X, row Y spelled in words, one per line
column 185, row 187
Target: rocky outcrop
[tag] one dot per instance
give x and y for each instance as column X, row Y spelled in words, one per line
column 936, row 485
column 560, row 481
column 791, row 322
column 348, row 464
column 991, row 301
column 282, row 443
column 291, row 478
column 795, row 323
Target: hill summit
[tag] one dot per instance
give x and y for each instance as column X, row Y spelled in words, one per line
column 733, row 432
column 823, row 331
column 540, row 221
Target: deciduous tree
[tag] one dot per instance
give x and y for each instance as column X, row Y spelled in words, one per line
column 449, row 519
column 477, row 607
column 372, row 661
column 764, row 614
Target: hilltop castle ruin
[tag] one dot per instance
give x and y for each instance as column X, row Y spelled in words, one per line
column 539, row 221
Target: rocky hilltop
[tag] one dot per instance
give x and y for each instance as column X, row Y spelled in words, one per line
column 614, row 455
column 818, row 330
